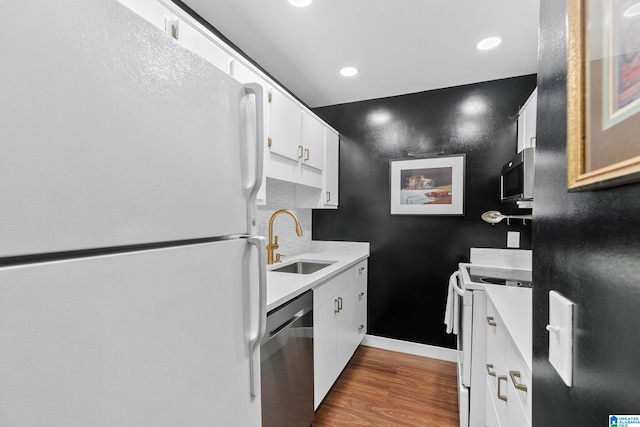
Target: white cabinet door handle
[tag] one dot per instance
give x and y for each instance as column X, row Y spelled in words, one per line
column 489, row 370
column 516, row 383
column 500, row 395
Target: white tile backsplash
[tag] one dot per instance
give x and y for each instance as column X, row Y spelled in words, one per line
column 510, row 258
column 281, row 195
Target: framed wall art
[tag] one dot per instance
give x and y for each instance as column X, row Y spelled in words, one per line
column 428, row 186
column 603, row 94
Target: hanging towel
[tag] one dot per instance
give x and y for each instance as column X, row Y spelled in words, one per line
column 451, row 311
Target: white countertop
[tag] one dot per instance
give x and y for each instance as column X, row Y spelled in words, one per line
column 514, row 307
column 282, row 287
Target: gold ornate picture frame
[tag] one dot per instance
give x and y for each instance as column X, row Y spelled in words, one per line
column 603, row 94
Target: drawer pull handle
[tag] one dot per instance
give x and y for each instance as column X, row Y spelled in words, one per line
column 336, row 306
column 360, row 270
column 300, row 151
column 516, row 383
column 360, row 328
column 360, row 295
column 339, row 303
column 490, row 321
column 489, row 369
column 501, row 378
column 306, row 154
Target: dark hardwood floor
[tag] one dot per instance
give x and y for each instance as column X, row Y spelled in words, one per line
column 387, row 389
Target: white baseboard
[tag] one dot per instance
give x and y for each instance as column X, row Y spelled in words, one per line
column 424, row 350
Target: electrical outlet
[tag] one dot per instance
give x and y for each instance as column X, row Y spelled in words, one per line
column 513, row 239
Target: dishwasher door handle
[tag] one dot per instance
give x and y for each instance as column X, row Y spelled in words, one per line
column 277, row 330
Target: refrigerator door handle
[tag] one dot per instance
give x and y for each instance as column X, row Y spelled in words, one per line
column 256, row 339
column 258, row 91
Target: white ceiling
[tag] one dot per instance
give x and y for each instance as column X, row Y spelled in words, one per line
column 399, row 46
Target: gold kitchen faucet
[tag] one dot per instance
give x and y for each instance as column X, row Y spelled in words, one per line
column 273, row 244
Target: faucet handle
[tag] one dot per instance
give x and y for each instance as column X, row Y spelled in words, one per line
column 278, row 256
column 275, row 242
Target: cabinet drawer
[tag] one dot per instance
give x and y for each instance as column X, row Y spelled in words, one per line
column 516, row 413
column 333, row 286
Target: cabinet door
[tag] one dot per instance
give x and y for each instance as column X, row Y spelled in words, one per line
column 492, row 416
column 324, row 349
column 313, row 134
column 285, row 126
column 497, row 375
column 527, row 122
column 151, row 10
column 521, row 130
column 530, row 119
column 346, row 331
column 193, row 40
column 331, row 168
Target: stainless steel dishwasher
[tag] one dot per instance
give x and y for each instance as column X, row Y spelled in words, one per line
column 286, row 358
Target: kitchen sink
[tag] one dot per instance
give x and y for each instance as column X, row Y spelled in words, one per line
column 303, row 267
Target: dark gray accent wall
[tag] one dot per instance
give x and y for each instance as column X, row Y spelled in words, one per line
column 413, row 256
column 587, row 247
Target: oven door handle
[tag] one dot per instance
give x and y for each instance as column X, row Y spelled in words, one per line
column 454, row 283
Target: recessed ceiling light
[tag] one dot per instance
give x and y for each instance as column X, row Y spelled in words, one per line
column 300, row 3
column 489, row 43
column 349, row 71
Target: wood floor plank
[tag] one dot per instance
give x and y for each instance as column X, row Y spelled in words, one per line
column 388, row 389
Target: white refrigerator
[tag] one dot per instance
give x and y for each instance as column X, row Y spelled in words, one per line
column 131, row 291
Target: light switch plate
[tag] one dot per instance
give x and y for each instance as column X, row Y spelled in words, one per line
column 560, row 329
column 513, row 239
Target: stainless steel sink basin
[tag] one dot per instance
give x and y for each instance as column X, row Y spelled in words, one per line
column 303, row 267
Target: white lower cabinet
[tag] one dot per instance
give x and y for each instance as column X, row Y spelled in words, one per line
column 339, row 323
column 508, row 377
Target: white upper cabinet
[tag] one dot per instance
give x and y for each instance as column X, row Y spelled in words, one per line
column 151, row 10
column 177, row 24
column 285, row 126
column 527, row 122
column 196, row 42
column 327, row 197
column 313, row 134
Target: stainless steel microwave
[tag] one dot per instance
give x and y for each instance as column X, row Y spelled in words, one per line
column 516, row 179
